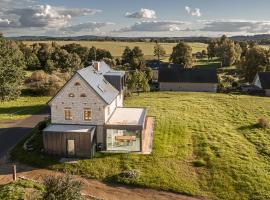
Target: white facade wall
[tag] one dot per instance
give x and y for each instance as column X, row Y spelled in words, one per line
column 188, row 87
column 77, row 104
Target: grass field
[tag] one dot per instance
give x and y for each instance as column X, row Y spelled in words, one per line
column 21, row 108
column 204, row 144
column 117, row 48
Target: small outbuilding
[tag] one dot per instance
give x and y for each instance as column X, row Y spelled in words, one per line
column 70, row 140
column 176, row 78
column 262, row 81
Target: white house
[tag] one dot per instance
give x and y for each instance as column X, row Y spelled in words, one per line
column 87, row 114
column 262, row 80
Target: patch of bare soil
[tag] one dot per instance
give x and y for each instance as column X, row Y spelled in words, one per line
column 92, row 187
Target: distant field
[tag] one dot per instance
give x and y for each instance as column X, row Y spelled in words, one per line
column 117, row 48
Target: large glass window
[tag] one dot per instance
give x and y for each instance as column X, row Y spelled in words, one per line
column 123, row 140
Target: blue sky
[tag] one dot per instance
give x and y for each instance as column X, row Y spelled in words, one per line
column 134, row 17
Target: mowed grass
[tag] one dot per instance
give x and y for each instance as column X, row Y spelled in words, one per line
column 22, row 107
column 204, row 145
column 117, row 48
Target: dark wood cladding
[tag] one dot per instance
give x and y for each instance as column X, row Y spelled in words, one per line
column 55, row 143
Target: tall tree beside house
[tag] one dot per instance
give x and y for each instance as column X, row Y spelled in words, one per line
column 159, row 51
column 134, row 58
column 126, row 56
column 182, row 54
column 255, row 60
column 137, row 81
column 11, row 70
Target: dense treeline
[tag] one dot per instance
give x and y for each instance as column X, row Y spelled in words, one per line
column 249, row 57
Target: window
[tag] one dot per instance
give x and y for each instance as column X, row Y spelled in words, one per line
column 87, row 114
column 71, row 95
column 83, row 95
column 77, row 84
column 68, row 114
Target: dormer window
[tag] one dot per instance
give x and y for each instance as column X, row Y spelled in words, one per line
column 77, row 84
column 83, row 95
column 71, row 95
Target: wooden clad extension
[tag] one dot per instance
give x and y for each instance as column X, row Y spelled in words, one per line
column 56, row 143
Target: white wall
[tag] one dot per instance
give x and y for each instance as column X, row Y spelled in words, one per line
column 77, row 104
column 188, row 87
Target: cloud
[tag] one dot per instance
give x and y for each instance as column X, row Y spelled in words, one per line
column 46, row 16
column 193, row 12
column 247, row 26
column 142, row 14
column 155, row 26
column 89, row 26
column 7, row 23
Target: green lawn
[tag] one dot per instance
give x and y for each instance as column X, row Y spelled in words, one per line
column 204, row 145
column 21, row 108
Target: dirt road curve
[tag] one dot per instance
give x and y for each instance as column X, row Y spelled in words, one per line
column 94, row 187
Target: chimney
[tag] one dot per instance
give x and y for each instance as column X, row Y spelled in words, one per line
column 96, row 65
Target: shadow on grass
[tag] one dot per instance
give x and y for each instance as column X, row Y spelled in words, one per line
column 21, row 110
column 249, row 127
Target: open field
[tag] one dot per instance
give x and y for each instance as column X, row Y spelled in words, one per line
column 117, row 48
column 204, row 145
column 21, row 108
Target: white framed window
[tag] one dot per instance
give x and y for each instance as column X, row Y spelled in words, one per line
column 67, row 113
column 87, row 114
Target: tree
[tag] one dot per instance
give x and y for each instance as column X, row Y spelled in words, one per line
column 98, row 54
column 229, row 52
column 256, row 60
column 182, row 54
column 82, row 52
column 212, row 48
column 126, row 56
column 61, row 188
column 244, row 47
column 159, row 51
column 134, row 58
column 11, row 70
column 137, row 81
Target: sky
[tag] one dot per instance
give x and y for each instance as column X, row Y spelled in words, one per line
column 129, row 18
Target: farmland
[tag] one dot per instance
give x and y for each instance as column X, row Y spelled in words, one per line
column 204, row 145
column 117, row 48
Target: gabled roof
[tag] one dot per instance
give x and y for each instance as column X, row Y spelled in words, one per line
column 97, row 81
column 176, row 73
column 264, row 79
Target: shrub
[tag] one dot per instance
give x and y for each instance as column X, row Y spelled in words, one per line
column 42, row 83
column 61, row 188
column 263, row 123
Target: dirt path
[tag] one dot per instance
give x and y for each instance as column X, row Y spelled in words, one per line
column 93, row 187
